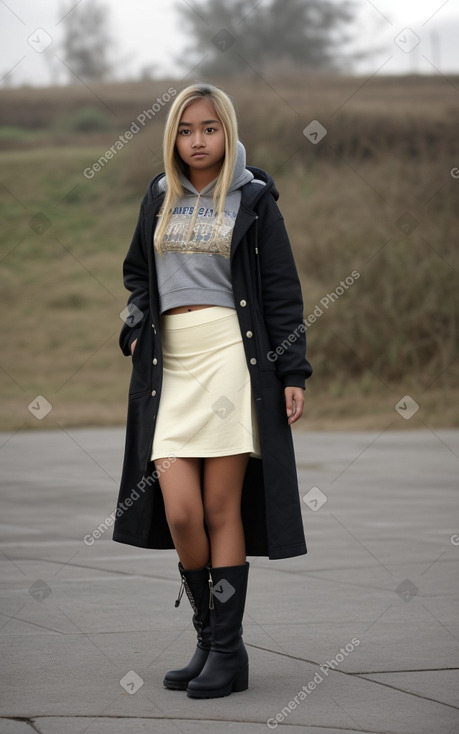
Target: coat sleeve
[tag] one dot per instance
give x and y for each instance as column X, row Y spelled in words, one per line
column 135, row 272
column 282, row 300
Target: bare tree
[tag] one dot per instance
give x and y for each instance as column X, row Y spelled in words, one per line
column 86, row 40
column 307, row 34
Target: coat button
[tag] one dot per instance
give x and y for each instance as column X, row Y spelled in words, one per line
column 253, row 360
column 243, row 303
column 248, row 334
column 155, row 361
column 153, row 393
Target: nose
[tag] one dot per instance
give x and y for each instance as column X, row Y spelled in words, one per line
column 198, row 140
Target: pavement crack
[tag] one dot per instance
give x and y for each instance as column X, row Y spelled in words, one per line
column 23, row 720
column 176, row 717
column 112, row 571
column 407, row 670
column 33, row 624
column 407, row 693
column 364, row 676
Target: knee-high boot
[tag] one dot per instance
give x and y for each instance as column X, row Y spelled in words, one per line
column 226, row 669
column 196, row 585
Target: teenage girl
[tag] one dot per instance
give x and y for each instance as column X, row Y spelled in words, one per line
column 217, row 340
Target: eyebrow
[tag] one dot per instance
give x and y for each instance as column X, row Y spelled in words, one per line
column 204, row 122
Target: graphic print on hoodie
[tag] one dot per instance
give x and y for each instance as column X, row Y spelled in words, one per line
column 192, row 229
column 194, row 267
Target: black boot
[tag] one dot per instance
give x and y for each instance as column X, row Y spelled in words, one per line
column 227, row 668
column 196, row 585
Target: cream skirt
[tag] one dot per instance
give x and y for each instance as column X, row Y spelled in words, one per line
column 206, row 406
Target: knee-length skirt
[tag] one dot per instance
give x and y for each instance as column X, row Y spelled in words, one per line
column 206, row 407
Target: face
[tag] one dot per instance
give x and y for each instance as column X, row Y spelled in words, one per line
column 201, row 140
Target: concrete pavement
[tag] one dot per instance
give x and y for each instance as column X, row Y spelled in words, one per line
column 359, row 635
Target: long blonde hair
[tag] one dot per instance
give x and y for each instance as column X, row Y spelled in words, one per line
column 173, row 164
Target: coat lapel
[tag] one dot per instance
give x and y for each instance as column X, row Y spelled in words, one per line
column 244, row 220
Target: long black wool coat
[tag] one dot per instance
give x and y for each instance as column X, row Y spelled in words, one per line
column 269, row 306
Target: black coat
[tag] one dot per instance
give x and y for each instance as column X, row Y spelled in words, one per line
column 269, row 306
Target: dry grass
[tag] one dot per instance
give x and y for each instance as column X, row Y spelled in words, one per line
column 389, row 150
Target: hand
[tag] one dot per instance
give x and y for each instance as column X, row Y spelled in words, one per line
column 133, row 346
column 294, row 403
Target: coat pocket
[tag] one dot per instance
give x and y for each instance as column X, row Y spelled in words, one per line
column 138, row 385
column 264, row 350
column 140, row 375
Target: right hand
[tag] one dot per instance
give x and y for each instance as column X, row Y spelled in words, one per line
column 133, row 346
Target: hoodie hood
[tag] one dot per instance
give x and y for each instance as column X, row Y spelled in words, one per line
column 241, row 176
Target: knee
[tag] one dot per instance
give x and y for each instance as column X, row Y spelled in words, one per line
column 217, row 514
column 182, row 520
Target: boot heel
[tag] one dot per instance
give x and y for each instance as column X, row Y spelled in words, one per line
column 241, row 681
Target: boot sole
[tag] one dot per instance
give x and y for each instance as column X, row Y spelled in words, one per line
column 181, row 685
column 175, row 685
column 239, row 683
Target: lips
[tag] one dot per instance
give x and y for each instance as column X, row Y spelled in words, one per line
column 198, row 155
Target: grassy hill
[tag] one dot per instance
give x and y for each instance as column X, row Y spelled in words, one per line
column 375, row 196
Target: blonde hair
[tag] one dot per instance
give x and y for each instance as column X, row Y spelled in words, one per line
column 173, row 164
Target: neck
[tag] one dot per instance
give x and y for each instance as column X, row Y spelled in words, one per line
column 201, row 179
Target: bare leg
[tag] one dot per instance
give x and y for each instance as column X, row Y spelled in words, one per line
column 223, row 479
column 181, row 489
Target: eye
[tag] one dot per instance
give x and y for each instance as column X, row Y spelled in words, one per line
column 211, row 130
column 184, row 131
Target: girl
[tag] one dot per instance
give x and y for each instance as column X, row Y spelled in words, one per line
column 216, row 333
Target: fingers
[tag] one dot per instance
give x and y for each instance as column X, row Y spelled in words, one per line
column 133, row 346
column 294, row 403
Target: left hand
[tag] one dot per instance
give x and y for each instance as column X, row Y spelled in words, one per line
column 294, row 403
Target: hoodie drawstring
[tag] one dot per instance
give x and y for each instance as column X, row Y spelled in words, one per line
column 193, row 219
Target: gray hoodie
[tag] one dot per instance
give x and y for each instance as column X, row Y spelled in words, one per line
column 195, row 265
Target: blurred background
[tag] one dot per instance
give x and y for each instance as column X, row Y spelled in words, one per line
column 351, row 106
